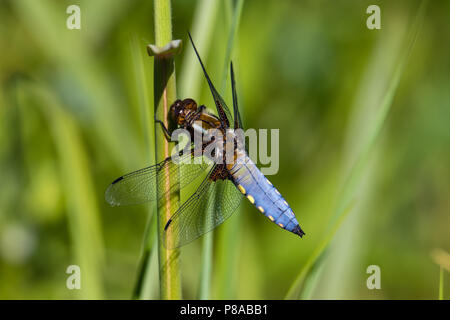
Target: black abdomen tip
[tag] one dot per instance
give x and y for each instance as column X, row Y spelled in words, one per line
column 299, row 231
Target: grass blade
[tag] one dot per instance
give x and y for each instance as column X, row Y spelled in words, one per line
column 72, row 55
column 82, row 208
column 296, row 286
column 351, row 183
column 441, row 283
column 442, row 259
column 191, row 75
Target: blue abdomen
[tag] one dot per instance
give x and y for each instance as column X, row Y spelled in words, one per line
column 263, row 195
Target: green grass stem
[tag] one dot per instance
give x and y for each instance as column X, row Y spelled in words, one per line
column 441, row 283
column 164, row 96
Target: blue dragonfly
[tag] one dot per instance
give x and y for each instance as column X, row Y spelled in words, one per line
column 226, row 183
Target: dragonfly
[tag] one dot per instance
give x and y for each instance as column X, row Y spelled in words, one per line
column 226, row 183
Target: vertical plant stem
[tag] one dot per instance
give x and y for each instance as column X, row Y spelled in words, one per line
column 204, row 291
column 164, row 95
column 442, row 259
column 441, row 283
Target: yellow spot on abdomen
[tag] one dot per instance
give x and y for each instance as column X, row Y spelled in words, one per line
column 281, row 225
column 251, row 199
column 261, row 209
column 271, row 218
column 242, row 189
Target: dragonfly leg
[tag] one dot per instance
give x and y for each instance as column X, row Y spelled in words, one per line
column 166, row 131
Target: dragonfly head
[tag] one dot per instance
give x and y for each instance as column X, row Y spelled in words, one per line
column 180, row 109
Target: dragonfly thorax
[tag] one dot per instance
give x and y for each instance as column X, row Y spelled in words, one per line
column 186, row 112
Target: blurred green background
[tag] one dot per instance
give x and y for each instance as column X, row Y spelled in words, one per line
column 75, row 113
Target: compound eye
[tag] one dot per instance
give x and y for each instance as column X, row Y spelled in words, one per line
column 190, row 104
column 180, row 110
column 175, row 109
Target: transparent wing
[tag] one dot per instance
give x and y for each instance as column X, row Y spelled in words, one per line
column 222, row 109
column 141, row 186
column 221, row 105
column 209, row 206
column 237, row 116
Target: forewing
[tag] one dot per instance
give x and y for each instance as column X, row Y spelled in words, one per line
column 141, row 186
column 209, row 206
column 237, row 116
column 222, row 109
